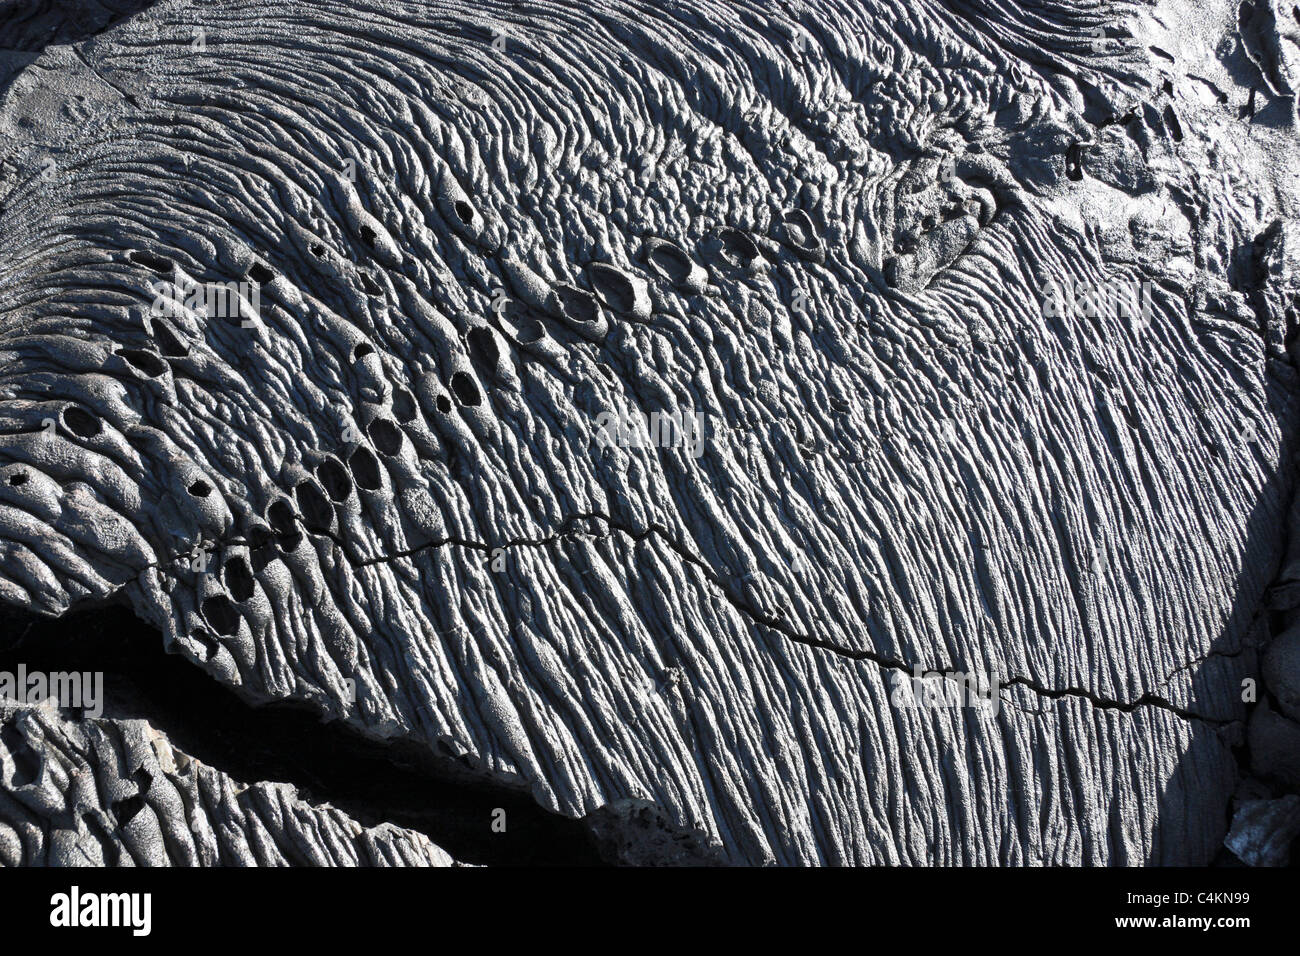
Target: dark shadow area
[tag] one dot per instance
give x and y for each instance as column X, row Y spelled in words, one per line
column 1235, row 656
column 373, row 782
column 32, row 25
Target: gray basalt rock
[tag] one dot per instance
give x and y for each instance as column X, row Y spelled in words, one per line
column 1263, row 830
column 112, row 793
column 310, row 317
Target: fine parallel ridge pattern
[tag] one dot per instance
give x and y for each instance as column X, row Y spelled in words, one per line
column 330, row 336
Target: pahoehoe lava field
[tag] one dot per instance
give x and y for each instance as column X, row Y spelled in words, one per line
column 698, row 432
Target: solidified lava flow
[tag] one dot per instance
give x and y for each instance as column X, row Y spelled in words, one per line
column 698, row 432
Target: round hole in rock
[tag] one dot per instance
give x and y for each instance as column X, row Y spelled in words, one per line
column 151, row 262
column 260, row 544
column 368, row 236
column 317, row 512
column 200, row 489
column 1074, row 161
column 1171, row 122
column 335, row 478
column 80, row 422
column 317, row 250
column 444, row 404
column 578, row 305
column 403, row 405
column 210, row 644
column 220, row 612
column 147, row 362
column 464, row 211
column 738, row 247
column 365, row 469
column 386, row 436
column 361, row 351
column 532, row 331
column 614, row 286
column 798, row 227
column 466, row 392
column 17, row 479
column 891, row 271
column 239, row 579
column 670, row 262
column 260, row 273
column 483, row 346
column 280, row 515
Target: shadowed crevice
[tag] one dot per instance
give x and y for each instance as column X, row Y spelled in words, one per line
column 372, row 781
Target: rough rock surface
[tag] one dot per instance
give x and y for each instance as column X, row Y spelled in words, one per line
column 883, row 249
column 1263, row 830
column 115, row 793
